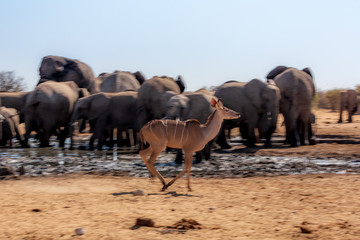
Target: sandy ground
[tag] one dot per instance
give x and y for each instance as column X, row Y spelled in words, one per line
column 335, row 140
column 282, row 207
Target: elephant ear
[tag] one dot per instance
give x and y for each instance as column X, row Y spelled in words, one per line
column 97, row 105
column 308, row 71
column 59, row 67
column 165, row 97
column 276, row 71
column 140, row 77
column 180, row 82
column 253, row 91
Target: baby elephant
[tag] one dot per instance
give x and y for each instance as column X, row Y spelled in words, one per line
column 9, row 121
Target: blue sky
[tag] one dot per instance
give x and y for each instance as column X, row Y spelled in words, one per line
column 207, row 42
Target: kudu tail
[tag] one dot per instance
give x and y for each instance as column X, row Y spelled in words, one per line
column 143, row 143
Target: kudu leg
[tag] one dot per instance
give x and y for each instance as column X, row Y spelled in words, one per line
column 187, row 168
column 151, row 161
column 145, row 153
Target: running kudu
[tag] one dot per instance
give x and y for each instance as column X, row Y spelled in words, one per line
column 191, row 136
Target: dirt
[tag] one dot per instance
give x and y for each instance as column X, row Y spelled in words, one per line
column 81, row 206
column 335, row 140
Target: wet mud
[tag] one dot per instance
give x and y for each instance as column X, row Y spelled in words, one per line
column 239, row 162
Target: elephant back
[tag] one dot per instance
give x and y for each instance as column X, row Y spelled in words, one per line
column 232, row 95
column 118, row 82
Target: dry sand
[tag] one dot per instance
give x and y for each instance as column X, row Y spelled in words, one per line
column 283, row 207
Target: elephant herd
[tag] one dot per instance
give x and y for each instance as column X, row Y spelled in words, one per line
column 68, row 97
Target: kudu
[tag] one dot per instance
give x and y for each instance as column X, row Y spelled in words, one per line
column 190, row 135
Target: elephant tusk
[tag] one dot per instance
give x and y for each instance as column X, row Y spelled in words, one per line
column 269, row 116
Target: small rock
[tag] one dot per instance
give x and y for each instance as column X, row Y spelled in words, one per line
column 139, row 193
column 79, row 231
column 143, row 222
column 186, row 224
column 305, row 230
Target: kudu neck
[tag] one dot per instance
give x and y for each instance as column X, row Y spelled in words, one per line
column 212, row 127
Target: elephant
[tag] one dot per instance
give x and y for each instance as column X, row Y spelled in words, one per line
column 48, row 110
column 258, row 105
column 153, row 95
column 15, row 100
column 120, row 81
column 276, row 71
column 297, row 92
column 191, row 105
column 61, row 69
column 109, row 111
column 9, row 126
column 348, row 102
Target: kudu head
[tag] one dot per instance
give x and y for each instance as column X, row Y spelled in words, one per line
column 224, row 112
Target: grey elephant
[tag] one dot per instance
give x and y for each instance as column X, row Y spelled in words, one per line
column 120, row 81
column 48, row 110
column 348, row 102
column 153, row 95
column 61, row 69
column 191, row 105
column 258, row 105
column 108, row 111
column 9, row 126
column 14, row 100
column 297, row 92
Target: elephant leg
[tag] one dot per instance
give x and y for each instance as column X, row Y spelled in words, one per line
column 207, row 150
column 179, row 156
column 199, row 156
column 349, row 116
column 251, row 140
column 127, row 140
column 108, row 137
column 268, row 135
column 92, row 140
column 244, row 129
column 45, row 139
column 63, row 135
column 311, row 136
column 221, row 138
column 25, row 143
column 135, row 137
column 301, row 130
column 119, row 138
column 291, row 136
column 341, row 110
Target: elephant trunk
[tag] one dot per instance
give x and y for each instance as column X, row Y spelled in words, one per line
column 355, row 109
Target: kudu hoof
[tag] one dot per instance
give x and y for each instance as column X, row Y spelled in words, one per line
column 164, row 188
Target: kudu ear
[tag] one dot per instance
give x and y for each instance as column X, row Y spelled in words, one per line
column 220, row 103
